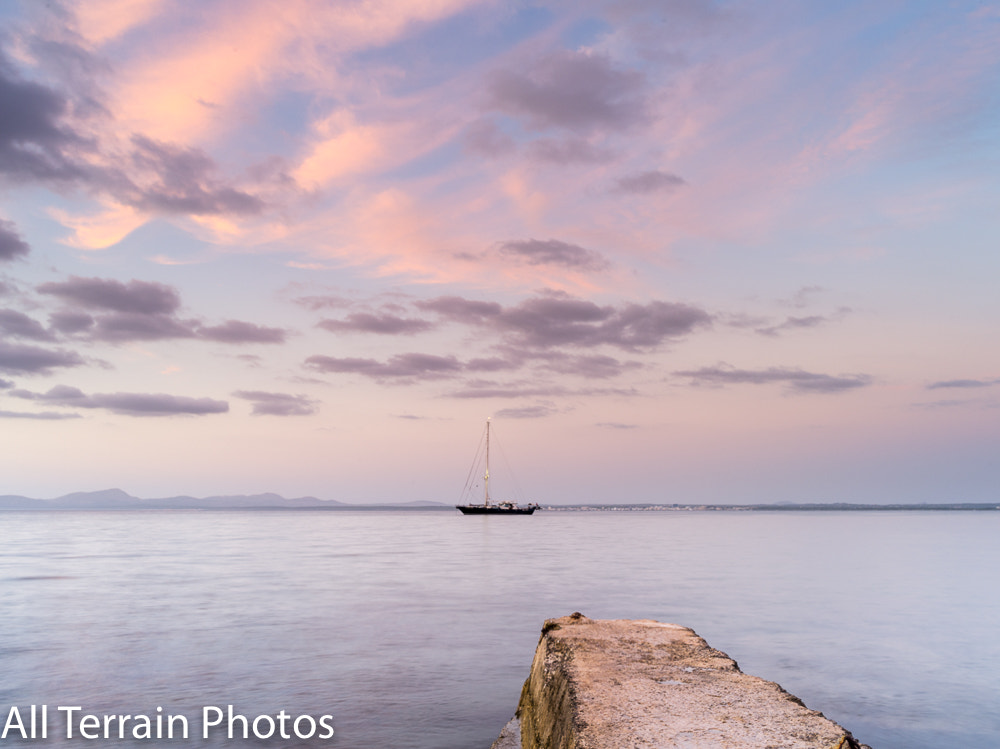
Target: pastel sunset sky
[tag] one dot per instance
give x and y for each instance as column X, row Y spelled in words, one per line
column 680, row 250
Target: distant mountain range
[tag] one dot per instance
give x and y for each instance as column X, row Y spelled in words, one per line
column 116, row 499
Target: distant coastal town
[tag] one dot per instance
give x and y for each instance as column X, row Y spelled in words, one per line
column 779, row 507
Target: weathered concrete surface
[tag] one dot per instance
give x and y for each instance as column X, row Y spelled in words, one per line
column 510, row 736
column 624, row 684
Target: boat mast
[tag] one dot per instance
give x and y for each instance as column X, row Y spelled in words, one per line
column 486, row 478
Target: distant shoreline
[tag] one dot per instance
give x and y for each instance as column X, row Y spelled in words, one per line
column 116, row 499
column 818, row 507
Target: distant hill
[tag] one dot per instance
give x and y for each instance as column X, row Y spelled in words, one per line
column 108, row 498
column 116, row 499
column 14, row 502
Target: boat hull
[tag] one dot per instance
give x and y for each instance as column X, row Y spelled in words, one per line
column 495, row 510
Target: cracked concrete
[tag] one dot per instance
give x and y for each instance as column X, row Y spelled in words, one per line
column 641, row 684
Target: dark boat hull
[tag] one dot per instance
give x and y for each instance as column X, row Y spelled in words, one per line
column 496, row 509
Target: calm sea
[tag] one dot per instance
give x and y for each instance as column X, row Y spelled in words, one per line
column 416, row 629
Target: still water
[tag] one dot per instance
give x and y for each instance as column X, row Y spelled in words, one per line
column 416, row 629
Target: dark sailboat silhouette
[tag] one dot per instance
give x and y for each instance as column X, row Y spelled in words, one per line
column 489, row 507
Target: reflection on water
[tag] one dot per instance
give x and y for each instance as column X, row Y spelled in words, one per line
column 416, row 629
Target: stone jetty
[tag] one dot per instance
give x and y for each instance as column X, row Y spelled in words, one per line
column 641, row 684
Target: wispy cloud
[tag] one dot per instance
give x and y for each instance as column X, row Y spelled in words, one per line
column 527, row 412
column 25, row 359
column 18, row 325
column 238, row 332
column 568, row 151
column 121, row 327
column 38, row 415
column 561, row 320
column 403, row 368
column 515, row 390
column 141, row 311
column 182, row 180
column 382, row 323
column 134, row 297
column 12, row 246
column 129, row 404
column 459, row 309
column 573, row 90
column 596, row 367
column 51, row 139
column 797, row 380
column 33, row 139
column 553, row 252
column 645, row 183
column 792, row 323
column 543, row 334
column 278, row 404
column 963, row 384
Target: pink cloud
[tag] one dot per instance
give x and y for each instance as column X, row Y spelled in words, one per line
column 743, row 139
column 101, row 21
column 207, row 62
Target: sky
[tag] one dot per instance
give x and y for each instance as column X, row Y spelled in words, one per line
column 682, row 251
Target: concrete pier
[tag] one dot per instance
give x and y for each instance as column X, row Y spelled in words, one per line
column 641, row 684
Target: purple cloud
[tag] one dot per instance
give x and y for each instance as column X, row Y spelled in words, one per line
column 793, row 323
column 234, row 331
column 70, row 323
column 485, row 138
column 25, row 359
column 157, row 404
column 645, row 183
column 135, row 297
column 572, row 90
column 962, row 384
column 798, row 380
column 401, row 367
column 528, row 412
column 33, row 141
column 186, row 183
column 119, row 328
column 457, row 309
column 12, row 247
column 553, row 252
column 38, row 143
column 141, row 311
column 558, row 321
column 531, row 334
column 569, row 151
column 62, row 395
column 316, row 303
column 528, row 390
column 511, row 360
column 381, row 324
column 19, row 325
column 129, row 404
column 593, row 367
column 278, row 404
column 39, row 416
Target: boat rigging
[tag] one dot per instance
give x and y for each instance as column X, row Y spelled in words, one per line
column 490, row 507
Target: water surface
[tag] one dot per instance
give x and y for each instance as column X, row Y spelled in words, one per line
column 417, row 629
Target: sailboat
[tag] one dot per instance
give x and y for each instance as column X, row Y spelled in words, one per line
column 489, row 507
